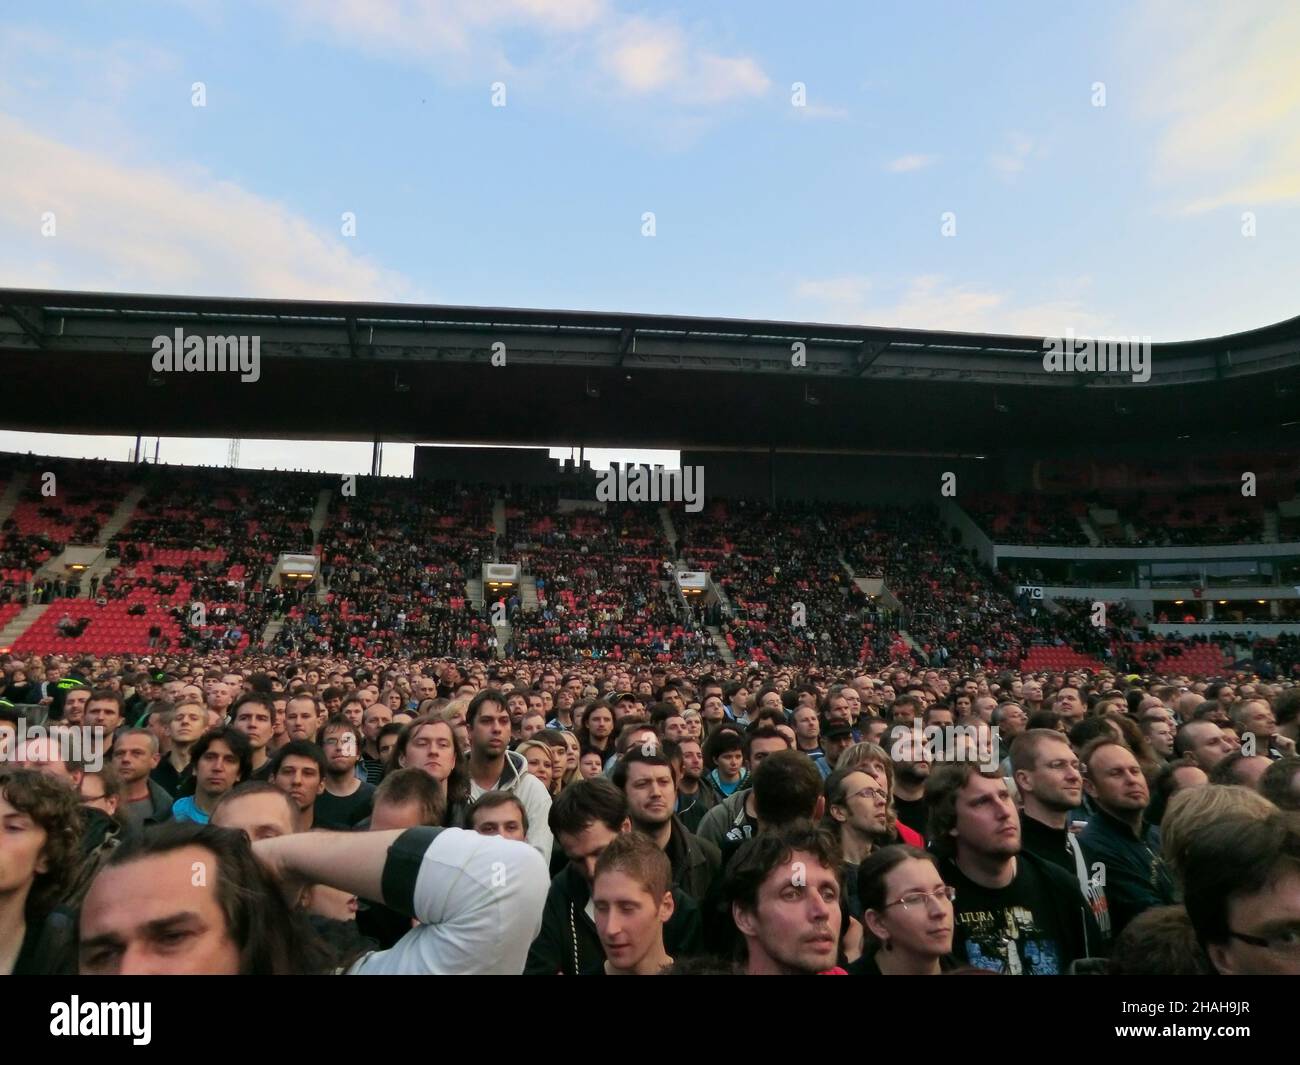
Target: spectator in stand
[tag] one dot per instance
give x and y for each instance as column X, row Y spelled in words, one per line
column 907, row 911
column 585, row 820
column 347, row 798
column 784, row 891
column 1280, row 783
column 41, row 856
column 1243, row 894
column 976, row 833
column 857, row 814
column 429, row 744
column 221, row 760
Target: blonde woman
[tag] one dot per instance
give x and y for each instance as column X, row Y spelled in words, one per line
column 454, row 714
column 541, row 763
column 694, row 725
column 564, row 752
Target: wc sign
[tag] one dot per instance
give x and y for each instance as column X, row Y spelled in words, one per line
column 1035, row 591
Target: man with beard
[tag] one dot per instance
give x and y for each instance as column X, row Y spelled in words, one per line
column 784, row 891
column 694, row 800
column 911, row 771
column 857, row 813
column 71, row 695
column 493, row 767
column 517, row 707
column 1118, row 837
column 1014, row 913
column 649, row 783
column 347, row 798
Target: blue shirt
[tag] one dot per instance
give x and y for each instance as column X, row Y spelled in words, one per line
column 187, row 810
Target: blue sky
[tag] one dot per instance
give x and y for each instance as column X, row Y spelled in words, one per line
column 1126, row 218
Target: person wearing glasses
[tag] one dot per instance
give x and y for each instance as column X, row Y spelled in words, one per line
column 1242, row 893
column 857, row 813
column 347, row 799
column 907, row 911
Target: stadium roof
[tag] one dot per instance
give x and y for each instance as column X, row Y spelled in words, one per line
column 348, row 371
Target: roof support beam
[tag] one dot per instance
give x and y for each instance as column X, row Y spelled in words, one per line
column 34, row 332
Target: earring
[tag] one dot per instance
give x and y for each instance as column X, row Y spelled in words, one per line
column 887, row 944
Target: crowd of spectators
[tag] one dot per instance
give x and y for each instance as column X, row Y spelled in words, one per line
column 603, row 582
column 396, row 559
column 617, row 818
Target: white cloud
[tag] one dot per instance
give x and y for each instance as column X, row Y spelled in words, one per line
column 181, row 230
column 933, row 302
column 635, row 54
column 645, row 57
column 906, row 163
column 720, row 78
column 1222, row 86
column 1012, row 161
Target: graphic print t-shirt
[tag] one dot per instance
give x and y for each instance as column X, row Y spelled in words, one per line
column 1032, row 927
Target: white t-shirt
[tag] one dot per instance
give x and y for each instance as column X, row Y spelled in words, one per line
column 479, row 900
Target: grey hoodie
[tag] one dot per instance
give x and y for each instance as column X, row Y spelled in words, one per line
column 727, row 820
column 531, row 793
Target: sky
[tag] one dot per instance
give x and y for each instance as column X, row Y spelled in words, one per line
column 1111, row 168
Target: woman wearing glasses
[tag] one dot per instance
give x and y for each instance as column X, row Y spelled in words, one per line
column 907, row 913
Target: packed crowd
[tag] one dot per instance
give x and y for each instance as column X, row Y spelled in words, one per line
column 219, row 812
column 783, row 572
column 602, row 580
column 395, row 563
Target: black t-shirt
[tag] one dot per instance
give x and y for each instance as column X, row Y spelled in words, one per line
column 333, row 811
column 1050, row 844
column 173, row 782
column 912, row 813
column 1035, row 926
